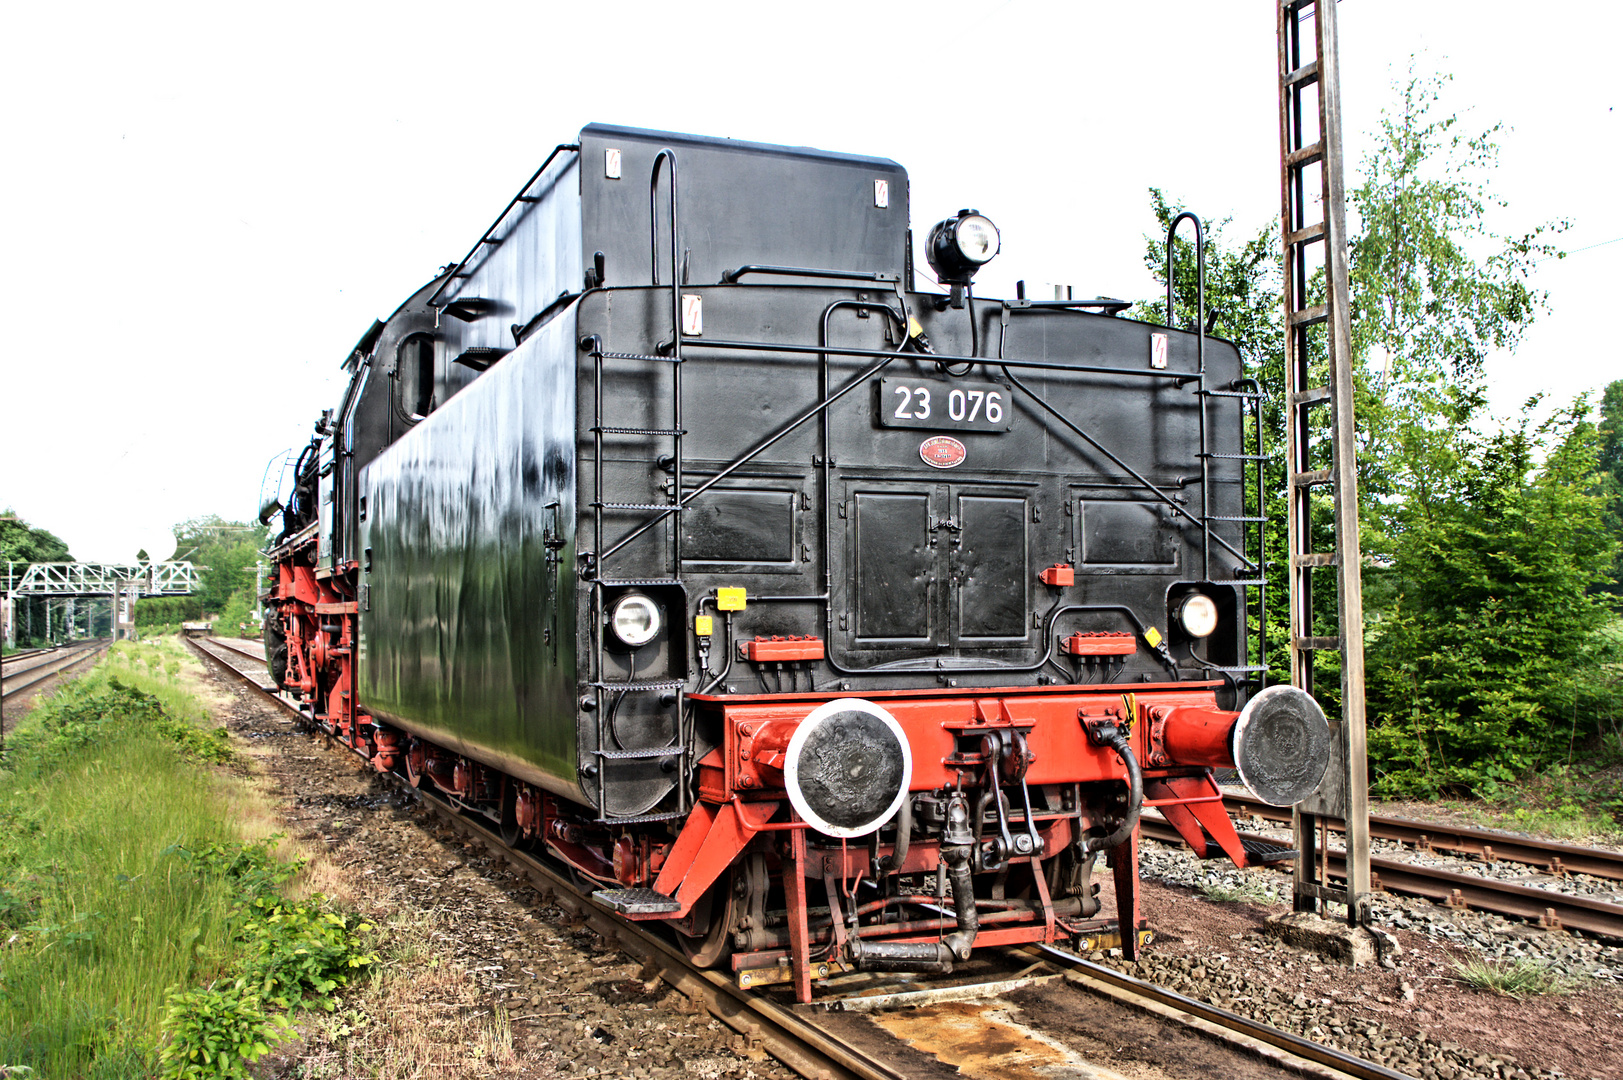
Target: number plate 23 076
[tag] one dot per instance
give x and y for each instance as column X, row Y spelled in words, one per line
column 943, row 406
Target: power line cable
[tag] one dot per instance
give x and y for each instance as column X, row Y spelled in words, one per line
column 1574, row 251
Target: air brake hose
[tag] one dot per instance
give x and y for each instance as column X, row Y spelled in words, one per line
column 904, row 833
column 1110, row 735
column 959, row 942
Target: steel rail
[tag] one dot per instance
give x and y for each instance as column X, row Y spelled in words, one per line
column 809, row 1051
column 1557, row 858
column 38, row 673
column 19, row 662
column 248, row 654
column 266, row 693
column 1097, row 978
column 1554, row 910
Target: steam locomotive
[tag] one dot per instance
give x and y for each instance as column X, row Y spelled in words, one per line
column 833, row 623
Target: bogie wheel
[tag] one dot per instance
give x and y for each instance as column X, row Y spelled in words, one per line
column 714, row 914
column 732, row 904
column 416, row 763
column 510, row 832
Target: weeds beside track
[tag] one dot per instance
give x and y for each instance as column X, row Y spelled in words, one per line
column 105, row 798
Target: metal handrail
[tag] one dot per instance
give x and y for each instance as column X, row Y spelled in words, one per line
column 456, row 273
column 1200, row 367
column 731, row 276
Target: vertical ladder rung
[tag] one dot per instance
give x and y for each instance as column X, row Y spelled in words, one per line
column 1316, row 396
column 1313, row 477
column 1310, row 316
column 1318, row 644
column 1314, row 558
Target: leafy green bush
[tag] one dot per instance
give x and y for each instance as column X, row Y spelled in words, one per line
column 218, row 1031
column 251, row 869
column 297, row 951
column 1491, row 658
column 85, row 712
column 290, row 955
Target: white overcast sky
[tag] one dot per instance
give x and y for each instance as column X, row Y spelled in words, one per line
column 202, row 207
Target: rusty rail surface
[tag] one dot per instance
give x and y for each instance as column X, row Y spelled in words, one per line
column 1546, row 907
column 1107, row 982
column 809, row 1051
column 1555, row 857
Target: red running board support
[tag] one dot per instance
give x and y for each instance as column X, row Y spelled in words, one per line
column 1194, row 806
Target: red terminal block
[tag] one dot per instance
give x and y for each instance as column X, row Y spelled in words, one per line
column 782, row 649
column 1058, row 576
column 1100, row 643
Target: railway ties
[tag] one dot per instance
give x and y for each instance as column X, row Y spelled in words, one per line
column 826, row 1039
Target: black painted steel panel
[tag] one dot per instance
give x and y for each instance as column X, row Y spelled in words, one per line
column 929, row 568
column 459, row 636
column 739, row 203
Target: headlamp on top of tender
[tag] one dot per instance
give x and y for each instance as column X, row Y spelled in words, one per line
column 635, row 620
column 961, row 245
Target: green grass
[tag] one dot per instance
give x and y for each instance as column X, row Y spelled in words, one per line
column 99, row 918
column 1581, row 804
column 1516, row 979
column 1568, row 821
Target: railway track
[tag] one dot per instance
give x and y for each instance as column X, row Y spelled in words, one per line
column 769, row 1020
column 23, row 671
column 1552, row 857
column 1545, row 907
column 249, row 650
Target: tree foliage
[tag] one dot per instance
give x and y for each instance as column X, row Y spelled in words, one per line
column 226, row 553
column 21, row 545
column 1611, row 472
column 1434, row 290
column 1486, row 660
column 1486, row 543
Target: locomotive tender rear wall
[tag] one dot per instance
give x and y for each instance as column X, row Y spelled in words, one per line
column 467, row 625
column 929, row 569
